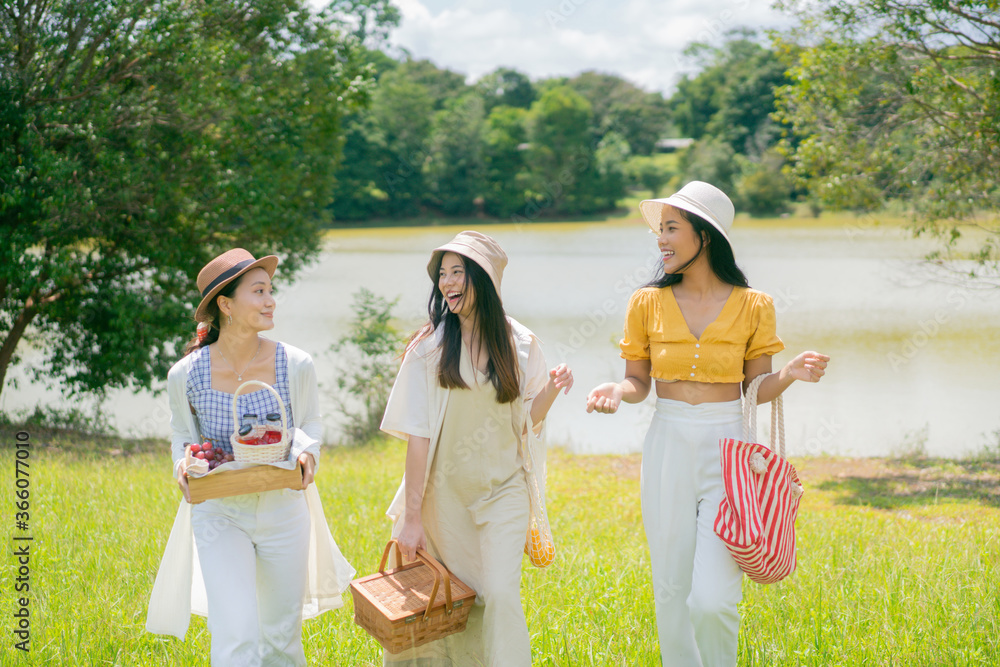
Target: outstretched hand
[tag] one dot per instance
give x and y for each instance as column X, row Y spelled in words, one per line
column 605, row 398
column 561, row 377
column 808, row 367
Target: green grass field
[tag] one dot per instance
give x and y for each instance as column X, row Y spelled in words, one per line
column 899, row 562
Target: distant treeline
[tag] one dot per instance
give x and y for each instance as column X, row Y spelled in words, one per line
column 509, row 147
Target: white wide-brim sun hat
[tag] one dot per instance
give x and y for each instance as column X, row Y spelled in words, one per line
column 703, row 199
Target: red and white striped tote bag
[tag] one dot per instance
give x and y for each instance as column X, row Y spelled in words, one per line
column 756, row 519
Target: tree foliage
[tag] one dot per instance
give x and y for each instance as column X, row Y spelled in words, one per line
column 898, row 100
column 432, row 144
column 640, row 118
column 454, row 167
column 138, row 139
column 566, row 173
column 732, row 96
column 506, row 87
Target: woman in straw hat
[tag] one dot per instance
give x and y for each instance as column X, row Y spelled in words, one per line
column 264, row 560
column 701, row 334
column 472, row 386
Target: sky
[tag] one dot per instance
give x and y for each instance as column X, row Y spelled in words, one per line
column 639, row 40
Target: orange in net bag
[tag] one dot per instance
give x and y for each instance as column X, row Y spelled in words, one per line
column 538, row 544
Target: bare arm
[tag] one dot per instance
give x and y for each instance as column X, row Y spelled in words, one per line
column 606, row 398
column 560, row 377
column 412, row 535
column 808, row 367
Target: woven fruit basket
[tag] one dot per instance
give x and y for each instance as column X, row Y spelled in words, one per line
column 269, row 453
column 402, row 607
column 247, row 475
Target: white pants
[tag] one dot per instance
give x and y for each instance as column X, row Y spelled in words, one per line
column 696, row 583
column 253, row 551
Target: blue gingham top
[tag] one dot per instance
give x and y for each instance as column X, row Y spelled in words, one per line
column 214, row 408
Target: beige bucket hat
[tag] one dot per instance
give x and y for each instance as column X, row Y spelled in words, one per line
column 480, row 248
column 702, row 199
column 223, row 270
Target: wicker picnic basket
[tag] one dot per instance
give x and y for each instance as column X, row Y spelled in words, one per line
column 401, row 607
column 272, row 453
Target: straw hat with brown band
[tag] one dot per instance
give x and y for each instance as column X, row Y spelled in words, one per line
column 223, row 270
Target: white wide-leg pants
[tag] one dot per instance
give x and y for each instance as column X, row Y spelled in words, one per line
column 253, row 551
column 696, row 583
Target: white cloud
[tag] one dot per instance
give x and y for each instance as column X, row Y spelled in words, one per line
column 640, row 40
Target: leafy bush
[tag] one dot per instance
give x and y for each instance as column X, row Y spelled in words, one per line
column 368, row 363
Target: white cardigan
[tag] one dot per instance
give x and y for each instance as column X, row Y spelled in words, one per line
column 179, row 589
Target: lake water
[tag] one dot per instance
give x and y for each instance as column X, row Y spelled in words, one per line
column 914, row 362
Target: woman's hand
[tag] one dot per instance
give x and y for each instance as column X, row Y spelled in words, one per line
column 182, row 481
column 808, row 367
column 561, row 376
column 605, row 398
column 411, row 537
column 308, row 468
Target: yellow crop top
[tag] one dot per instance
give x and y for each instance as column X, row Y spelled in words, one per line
column 655, row 329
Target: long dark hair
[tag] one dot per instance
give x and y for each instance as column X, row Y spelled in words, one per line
column 491, row 327
column 215, row 317
column 720, row 256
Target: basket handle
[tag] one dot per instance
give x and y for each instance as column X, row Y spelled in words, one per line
column 439, row 570
column 281, row 404
column 449, row 605
column 777, row 417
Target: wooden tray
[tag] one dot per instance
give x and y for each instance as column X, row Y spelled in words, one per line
column 254, row 479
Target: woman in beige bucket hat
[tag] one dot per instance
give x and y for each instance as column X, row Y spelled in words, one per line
column 702, row 335
column 264, row 560
column 471, row 394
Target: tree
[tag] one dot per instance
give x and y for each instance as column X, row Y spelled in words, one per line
column 441, row 84
column 454, row 170
column 505, row 87
column 639, row 117
column 361, row 190
column 762, row 188
column 893, row 100
column 507, row 175
column 138, row 139
column 564, row 169
column 712, row 160
column 732, row 97
column 649, row 172
column 610, row 157
column 401, row 111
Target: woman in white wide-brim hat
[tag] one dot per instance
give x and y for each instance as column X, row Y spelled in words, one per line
column 472, row 385
column 702, row 334
column 259, row 562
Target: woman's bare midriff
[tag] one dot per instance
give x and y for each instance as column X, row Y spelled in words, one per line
column 698, row 392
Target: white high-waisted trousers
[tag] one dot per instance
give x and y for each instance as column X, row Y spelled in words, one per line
column 253, row 551
column 696, row 583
